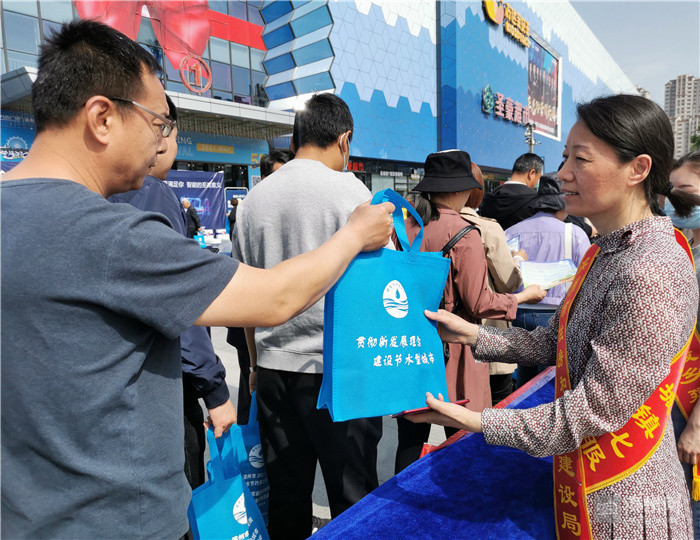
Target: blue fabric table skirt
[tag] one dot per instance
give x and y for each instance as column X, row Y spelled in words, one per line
column 468, row 489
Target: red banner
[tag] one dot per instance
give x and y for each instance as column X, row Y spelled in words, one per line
column 181, row 27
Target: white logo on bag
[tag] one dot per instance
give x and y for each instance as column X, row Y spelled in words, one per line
column 395, row 300
column 239, row 511
column 255, row 456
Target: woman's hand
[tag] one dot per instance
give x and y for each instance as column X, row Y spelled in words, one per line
column 452, row 328
column 448, row 414
column 689, row 445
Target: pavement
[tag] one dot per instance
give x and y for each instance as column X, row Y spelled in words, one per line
column 387, row 444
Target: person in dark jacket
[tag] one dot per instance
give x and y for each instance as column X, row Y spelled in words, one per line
column 510, row 203
column 203, row 374
column 193, row 223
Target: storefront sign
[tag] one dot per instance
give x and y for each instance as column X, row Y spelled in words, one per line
column 356, row 166
column 514, row 25
column 215, row 148
column 543, row 89
column 193, row 146
column 504, row 107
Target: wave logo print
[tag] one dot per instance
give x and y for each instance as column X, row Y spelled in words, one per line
column 239, row 512
column 395, row 300
column 255, row 456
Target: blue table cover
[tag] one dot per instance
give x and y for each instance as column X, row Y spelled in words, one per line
column 468, row 489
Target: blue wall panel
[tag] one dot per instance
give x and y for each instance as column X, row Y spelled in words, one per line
column 388, row 77
column 384, row 132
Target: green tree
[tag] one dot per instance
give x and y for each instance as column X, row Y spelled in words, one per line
column 695, row 141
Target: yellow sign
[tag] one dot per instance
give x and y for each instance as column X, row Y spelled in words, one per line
column 515, row 25
column 494, row 11
column 214, row 148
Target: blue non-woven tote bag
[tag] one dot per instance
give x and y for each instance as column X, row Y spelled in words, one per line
column 223, row 508
column 380, row 353
column 244, row 454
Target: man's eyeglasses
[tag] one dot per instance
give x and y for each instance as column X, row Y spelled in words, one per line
column 166, row 127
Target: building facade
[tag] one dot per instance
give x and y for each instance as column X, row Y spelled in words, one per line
column 419, row 76
column 682, row 105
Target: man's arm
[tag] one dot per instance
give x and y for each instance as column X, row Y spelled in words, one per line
column 203, row 371
column 256, row 297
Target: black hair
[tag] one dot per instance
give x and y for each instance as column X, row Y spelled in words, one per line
column 691, row 159
column 634, row 125
column 84, row 59
column 172, row 114
column 275, row 156
column 323, row 118
column 426, row 209
column 525, row 163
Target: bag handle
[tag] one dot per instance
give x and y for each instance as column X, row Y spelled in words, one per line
column 253, row 411
column 216, row 472
column 456, row 238
column 389, row 195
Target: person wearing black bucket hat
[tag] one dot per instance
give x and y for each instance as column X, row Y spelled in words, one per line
column 449, row 171
column 444, row 190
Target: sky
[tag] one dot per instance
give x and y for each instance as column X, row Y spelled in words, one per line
column 653, row 42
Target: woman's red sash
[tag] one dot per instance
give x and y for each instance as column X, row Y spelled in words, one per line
column 689, row 387
column 603, row 460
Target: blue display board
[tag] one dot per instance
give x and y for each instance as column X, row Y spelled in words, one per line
column 205, row 191
column 17, row 132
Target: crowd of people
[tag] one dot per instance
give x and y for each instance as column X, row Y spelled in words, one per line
column 106, row 354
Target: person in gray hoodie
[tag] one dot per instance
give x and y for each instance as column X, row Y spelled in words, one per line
column 297, row 208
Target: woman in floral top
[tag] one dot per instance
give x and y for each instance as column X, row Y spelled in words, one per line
column 635, row 310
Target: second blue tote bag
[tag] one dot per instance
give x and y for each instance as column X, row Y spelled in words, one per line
column 241, row 454
column 380, row 353
column 223, row 507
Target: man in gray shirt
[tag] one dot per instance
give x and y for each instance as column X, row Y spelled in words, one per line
column 296, row 209
column 91, row 392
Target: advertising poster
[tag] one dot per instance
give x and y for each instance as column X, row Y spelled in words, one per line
column 205, row 190
column 543, row 89
column 17, row 131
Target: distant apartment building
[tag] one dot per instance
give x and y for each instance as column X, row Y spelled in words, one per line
column 643, row 92
column 682, row 105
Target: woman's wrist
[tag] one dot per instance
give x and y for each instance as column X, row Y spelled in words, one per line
column 472, row 335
